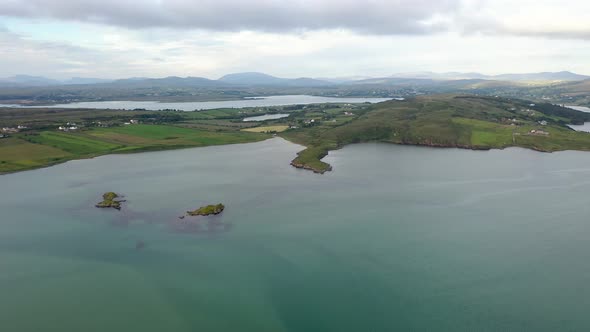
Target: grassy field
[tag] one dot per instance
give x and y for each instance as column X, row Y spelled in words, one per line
column 18, row 154
column 276, row 129
column 73, row 143
column 471, row 122
column 33, row 150
column 105, row 131
column 171, row 136
column 446, row 121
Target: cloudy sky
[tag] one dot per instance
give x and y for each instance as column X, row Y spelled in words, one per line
column 291, row 38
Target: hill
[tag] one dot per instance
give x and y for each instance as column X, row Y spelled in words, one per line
column 85, row 80
column 166, row 82
column 261, row 79
column 543, row 76
column 469, row 122
column 26, row 81
column 461, row 121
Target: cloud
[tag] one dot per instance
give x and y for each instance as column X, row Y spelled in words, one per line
column 369, row 16
column 537, row 18
column 124, row 38
column 22, row 55
column 551, row 19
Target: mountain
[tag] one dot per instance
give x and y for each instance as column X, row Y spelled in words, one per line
column 306, row 81
column 86, row 80
column 40, row 81
column 440, row 76
column 28, row 81
column 430, row 81
column 250, row 78
column 261, row 79
column 344, row 79
column 544, row 76
column 171, row 81
column 394, row 81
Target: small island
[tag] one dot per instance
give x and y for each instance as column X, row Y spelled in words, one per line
column 207, row 210
column 110, row 201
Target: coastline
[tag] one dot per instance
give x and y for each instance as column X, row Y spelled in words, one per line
column 328, row 168
column 296, row 162
column 136, row 151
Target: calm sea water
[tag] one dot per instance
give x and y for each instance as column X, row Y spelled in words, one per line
column 396, row 238
column 191, row 106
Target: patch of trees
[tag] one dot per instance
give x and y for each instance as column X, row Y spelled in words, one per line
column 576, row 117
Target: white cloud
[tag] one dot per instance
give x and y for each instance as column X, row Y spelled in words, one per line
column 550, row 18
column 296, row 38
column 372, row 16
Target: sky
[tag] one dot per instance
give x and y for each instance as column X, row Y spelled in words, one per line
column 292, row 38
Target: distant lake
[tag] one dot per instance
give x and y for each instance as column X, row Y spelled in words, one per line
column 396, row 238
column 580, row 108
column 266, row 117
column 206, row 105
column 586, row 126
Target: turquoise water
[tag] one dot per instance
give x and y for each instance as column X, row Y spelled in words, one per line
column 396, row 238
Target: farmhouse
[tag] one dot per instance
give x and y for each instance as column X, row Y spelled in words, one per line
column 539, row 132
column 66, row 128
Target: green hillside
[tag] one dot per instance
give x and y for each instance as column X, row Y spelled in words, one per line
column 447, row 121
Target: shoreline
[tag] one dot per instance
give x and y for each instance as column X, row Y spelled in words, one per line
column 329, row 168
column 294, row 163
column 142, row 150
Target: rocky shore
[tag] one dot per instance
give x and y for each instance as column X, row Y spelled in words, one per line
column 310, row 168
column 329, row 168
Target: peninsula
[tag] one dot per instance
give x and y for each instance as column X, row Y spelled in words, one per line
column 42, row 137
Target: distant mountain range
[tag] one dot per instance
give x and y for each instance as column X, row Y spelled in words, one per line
column 25, row 80
column 35, row 81
column 264, row 80
column 544, row 76
column 261, row 79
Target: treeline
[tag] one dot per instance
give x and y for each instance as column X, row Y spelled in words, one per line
column 575, row 117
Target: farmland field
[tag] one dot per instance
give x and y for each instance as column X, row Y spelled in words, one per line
column 265, row 129
column 43, row 148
